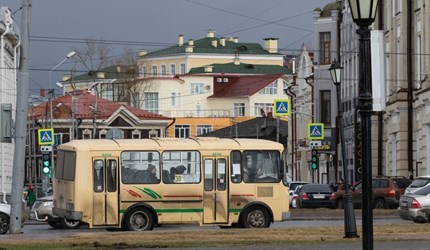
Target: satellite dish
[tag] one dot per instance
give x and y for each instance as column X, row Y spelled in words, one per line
column 114, row 133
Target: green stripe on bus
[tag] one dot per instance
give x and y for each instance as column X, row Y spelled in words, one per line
column 237, row 210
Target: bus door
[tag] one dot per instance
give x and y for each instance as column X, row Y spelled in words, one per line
column 105, row 191
column 215, row 195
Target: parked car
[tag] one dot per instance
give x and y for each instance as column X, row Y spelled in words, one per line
column 386, row 192
column 416, row 206
column 296, row 192
column 4, row 218
column 418, row 183
column 292, row 187
column 42, row 211
column 316, row 195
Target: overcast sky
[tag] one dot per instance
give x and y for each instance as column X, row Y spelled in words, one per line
column 58, row 26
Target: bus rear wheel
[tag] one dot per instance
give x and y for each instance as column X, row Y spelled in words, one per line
column 69, row 224
column 256, row 217
column 139, row 219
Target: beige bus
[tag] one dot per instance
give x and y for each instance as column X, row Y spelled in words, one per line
column 138, row 183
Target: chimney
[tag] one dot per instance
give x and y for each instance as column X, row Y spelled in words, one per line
column 118, row 69
column 209, row 69
column 235, row 39
column 143, row 52
column 42, row 92
column 66, row 77
column 181, row 40
column 271, row 45
column 222, row 41
column 214, row 43
column 191, row 42
column 211, row 33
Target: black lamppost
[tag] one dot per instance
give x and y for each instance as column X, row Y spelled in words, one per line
column 363, row 13
column 336, row 72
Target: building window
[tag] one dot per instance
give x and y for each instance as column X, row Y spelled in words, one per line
column 263, row 109
column 86, row 134
column 151, row 102
column 142, row 71
column 271, row 89
column 172, row 69
column 203, row 129
column 154, row 70
column 183, row 68
column 182, row 131
column 163, row 70
column 197, row 88
column 174, row 99
column 325, row 48
column 135, row 134
column 325, row 104
column 238, row 109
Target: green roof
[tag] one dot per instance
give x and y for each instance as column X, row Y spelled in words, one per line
column 111, row 72
column 243, row 68
column 204, row 45
column 336, row 5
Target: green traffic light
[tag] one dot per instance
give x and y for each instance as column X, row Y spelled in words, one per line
column 46, row 170
column 314, row 166
column 46, row 163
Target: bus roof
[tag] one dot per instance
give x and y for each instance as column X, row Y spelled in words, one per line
column 171, row 143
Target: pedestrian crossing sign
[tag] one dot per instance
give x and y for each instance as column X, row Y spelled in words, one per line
column 316, row 131
column 282, row 107
column 46, row 136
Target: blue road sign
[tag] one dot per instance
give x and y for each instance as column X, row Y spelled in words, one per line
column 316, row 131
column 46, row 136
column 282, row 107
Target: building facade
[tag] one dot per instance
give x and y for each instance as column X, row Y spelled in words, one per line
column 9, row 58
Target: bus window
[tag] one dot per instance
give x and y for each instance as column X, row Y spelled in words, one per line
column 98, row 176
column 181, row 167
column 65, row 167
column 208, row 175
column 140, row 167
column 111, row 176
column 236, row 173
column 221, row 185
column 260, row 166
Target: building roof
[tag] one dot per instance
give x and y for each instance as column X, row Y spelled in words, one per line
column 111, row 72
column 259, row 127
column 84, row 106
column 204, row 45
column 242, row 68
column 326, row 11
column 242, row 85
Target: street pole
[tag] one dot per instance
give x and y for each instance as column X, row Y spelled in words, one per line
column 365, row 109
column 21, row 124
column 336, row 72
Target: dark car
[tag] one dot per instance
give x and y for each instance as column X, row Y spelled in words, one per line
column 315, row 196
column 386, row 192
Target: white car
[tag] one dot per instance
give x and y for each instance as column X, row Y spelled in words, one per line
column 4, row 217
column 418, row 183
column 292, row 186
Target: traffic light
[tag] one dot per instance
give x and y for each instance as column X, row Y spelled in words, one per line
column 314, row 159
column 46, row 163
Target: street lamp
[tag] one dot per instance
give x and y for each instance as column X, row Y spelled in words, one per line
column 72, row 134
column 336, row 72
column 363, row 13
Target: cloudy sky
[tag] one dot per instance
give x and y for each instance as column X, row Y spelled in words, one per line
column 58, row 26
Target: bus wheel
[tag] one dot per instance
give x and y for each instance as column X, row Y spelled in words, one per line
column 139, row 219
column 255, row 217
column 55, row 224
column 69, row 224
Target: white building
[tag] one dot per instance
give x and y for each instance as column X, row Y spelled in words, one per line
column 9, row 55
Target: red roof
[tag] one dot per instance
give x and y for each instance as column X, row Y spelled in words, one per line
column 243, row 85
column 84, row 104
